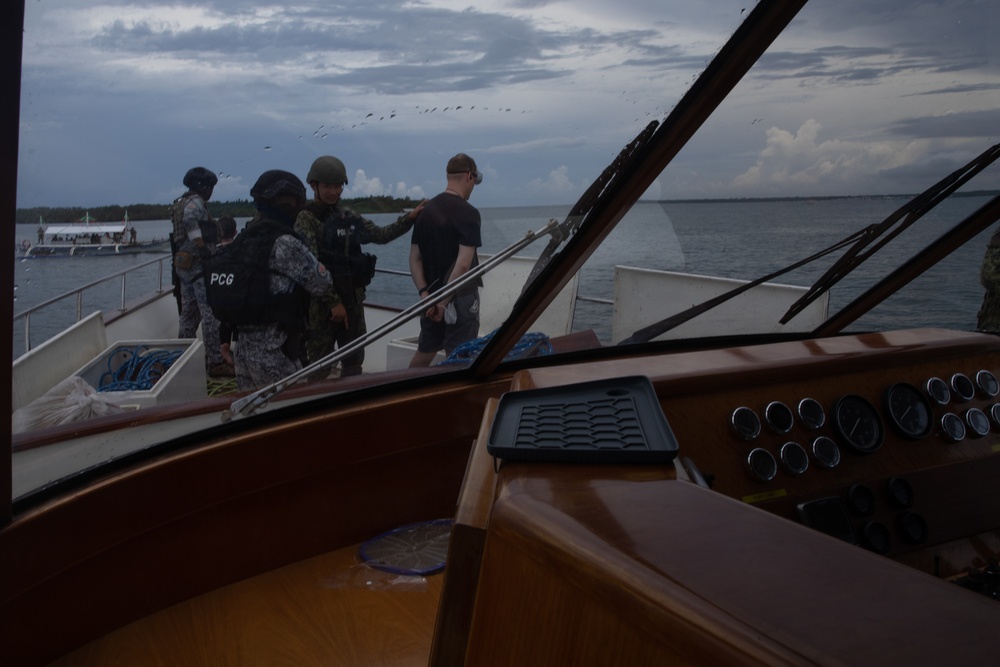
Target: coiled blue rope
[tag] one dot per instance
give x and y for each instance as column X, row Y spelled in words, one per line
column 140, row 370
column 537, row 343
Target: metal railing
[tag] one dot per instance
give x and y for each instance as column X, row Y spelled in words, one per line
column 79, row 291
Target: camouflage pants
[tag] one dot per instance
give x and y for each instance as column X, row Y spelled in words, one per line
column 260, row 359
column 324, row 337
column 195, row 311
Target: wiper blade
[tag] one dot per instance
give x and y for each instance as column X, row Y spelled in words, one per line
column 650, row 332
column 587, row 201
column 909, row 213
column 891, row 227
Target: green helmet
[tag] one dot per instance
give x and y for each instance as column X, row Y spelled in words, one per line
column 327, row 169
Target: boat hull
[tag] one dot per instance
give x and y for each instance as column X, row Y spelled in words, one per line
column 51, row 251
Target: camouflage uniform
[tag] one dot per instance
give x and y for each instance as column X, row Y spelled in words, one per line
column 989, row 276
column 191, row 220
column 265, row 352
column 348, row 232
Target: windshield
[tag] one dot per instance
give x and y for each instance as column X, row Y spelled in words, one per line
column 854, row 110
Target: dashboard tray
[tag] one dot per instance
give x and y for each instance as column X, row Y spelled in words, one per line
column 606, row 421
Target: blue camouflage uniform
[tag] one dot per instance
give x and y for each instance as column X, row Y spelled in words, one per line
column 266, row 353
column 191, row 221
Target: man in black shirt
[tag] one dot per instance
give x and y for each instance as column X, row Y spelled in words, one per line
column 443, row 248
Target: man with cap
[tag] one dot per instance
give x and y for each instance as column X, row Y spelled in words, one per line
column 193, row 239
column 271, row 349
column 443, row 248
column 335, row 234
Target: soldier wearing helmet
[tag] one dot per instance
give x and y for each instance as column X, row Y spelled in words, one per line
column 271, row 349
column 194, row 236
column 335, row 235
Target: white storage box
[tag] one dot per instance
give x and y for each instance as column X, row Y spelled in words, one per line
column 184, row 380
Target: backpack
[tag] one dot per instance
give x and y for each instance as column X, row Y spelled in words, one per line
column 238, row 281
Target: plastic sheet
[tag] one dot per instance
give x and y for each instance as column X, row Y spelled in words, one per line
column 72, row 400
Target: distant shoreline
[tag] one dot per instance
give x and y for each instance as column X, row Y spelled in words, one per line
column 374, row 205
column 744, row 200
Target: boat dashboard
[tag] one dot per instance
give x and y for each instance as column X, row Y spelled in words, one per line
column 888, row 441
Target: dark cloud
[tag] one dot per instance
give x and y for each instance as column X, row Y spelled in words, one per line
column 965, row 124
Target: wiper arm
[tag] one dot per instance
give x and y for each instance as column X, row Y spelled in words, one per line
column 650, row 332
column 254, row 401
column 909, row 213
column 892, row 227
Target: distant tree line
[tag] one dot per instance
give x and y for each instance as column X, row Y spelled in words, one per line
column 241, row 208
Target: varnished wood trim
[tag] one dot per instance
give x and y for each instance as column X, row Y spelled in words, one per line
column 192, row 520
column 465, row 551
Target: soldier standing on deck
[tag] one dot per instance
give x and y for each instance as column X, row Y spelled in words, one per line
column 335, row 235
column 271, row 349
column 193, row 239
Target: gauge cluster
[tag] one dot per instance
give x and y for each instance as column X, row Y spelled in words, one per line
column 938, row 410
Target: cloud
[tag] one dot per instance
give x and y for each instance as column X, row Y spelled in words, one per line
column 139, row 92
column 555, row 187
column 804, row 162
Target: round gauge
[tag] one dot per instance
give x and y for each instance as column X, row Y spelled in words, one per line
column 858, row 424
column 779, row 417
column 978, row 422
column 811, row 414
column 938, row 390
column 913, row 527
column 900, row 493
column 794, row 458
column 909, row 410
column 962, row 386
column 995, row 413
column 761, row 465
column 875, row 536
column 861, row 500
column 987, row 383
column 952, row 427
column 745, row 423
column 826, row 452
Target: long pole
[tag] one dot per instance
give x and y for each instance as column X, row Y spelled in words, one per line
column 252, row 402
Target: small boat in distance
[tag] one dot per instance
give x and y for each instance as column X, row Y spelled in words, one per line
column 88, row 238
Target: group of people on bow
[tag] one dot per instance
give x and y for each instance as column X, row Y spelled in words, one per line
column 308, row 254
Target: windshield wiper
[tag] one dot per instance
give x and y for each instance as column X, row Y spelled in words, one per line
column 651, row 156
column 905, row 216
column 892, row 227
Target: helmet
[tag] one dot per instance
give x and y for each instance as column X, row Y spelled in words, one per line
column 199, row 178
column 276, row 182
column 327, row 169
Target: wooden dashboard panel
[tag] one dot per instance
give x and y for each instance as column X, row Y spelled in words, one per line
column 950, row 483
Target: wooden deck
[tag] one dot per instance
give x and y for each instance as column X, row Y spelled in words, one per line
column 327, row 610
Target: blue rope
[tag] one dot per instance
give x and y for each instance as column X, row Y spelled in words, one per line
column 140, row 370
column 469, row 350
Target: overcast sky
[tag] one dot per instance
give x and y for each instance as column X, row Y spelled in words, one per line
column 120, row 98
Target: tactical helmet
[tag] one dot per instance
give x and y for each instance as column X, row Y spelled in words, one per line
column 327, row 169
column 199, row 178
column 276, row 182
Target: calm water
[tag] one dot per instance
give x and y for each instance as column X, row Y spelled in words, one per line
column 743, row 241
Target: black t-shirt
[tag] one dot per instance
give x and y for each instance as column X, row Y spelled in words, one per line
column 446, row 222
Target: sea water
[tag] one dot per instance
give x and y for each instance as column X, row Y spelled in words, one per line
column 741, row 240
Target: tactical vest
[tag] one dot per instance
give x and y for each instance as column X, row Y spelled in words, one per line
column 209, row 228
column 339, row 248
column 238, row 281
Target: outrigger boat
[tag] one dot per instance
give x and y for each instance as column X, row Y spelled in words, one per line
column 88, row 238
column 820, row 496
